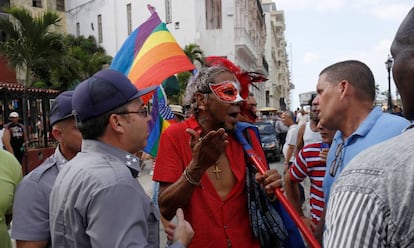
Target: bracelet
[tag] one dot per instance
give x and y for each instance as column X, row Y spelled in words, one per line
column 272, row 198
column 189, row 179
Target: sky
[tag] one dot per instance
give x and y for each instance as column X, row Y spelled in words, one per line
column 322, row 32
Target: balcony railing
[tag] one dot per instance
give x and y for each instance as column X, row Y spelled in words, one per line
column 244, row 42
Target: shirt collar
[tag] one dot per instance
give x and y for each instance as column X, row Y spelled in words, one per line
column 59, row 158
column 129, row 160
column 363, row 128
column 193, row 124
column 293, row 126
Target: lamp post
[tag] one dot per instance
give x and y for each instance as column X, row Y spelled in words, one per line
column 388, row 65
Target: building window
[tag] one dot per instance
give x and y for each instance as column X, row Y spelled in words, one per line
column 168, row 13
column 60, row 5
column 129, row 20
column 100, row 38
column 267, row 98
column 37, row 3
column 213, row 14
column 77, row 29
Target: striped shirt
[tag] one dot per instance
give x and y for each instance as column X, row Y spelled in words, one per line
column 372, row 201
column 360, row 221
column 309, row 164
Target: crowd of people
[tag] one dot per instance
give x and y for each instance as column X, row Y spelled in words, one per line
column 356, row 158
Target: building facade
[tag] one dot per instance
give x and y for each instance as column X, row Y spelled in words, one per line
column 39, row 6
column 279, row 85
column 235, row 29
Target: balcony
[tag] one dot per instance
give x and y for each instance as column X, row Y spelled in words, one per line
column 244, row 44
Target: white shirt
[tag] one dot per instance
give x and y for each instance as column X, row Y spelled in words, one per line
column 291, row 137
column 302, row 119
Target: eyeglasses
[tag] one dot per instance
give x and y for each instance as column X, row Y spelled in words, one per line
column 337, row 161
column 142, row 112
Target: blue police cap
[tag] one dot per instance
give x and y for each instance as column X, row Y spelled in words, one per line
column 103, row 92
column 61, row 108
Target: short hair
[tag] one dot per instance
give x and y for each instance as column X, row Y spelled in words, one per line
column 200, row 82
column 356, row 73
column 95, row 127
column 290, row 114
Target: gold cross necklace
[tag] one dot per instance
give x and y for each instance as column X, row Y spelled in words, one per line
column 217, row 171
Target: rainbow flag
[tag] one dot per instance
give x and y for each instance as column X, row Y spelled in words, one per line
column 150, row 54
column 161, row 115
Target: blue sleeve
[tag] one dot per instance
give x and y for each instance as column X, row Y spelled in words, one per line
column 31, row 211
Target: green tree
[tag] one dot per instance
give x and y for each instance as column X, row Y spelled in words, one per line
column 194, row 53
column 30, row 42
column 82, row 59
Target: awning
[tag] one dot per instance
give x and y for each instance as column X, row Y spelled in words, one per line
column 267, row 109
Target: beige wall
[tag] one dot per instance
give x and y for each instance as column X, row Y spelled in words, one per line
column 46, row 5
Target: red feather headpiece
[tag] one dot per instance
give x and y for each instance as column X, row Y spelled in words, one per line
column 245, row 79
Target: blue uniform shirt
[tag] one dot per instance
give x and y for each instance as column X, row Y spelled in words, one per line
column 97, row 201
column 31, row 201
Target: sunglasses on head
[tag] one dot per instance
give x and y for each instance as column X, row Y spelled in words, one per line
column 226, row 91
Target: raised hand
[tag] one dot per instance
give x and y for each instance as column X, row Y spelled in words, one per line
column 207, row 150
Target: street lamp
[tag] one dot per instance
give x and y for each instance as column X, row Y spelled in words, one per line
column 388, row 65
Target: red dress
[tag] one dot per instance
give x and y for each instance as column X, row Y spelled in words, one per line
column 215, row 221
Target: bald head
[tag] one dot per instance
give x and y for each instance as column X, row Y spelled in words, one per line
column 402, row 50
column 404, row 36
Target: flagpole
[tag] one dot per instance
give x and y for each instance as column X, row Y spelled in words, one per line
column 295, row 216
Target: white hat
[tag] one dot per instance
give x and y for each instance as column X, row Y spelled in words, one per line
column 177, row 109
column 13, row 115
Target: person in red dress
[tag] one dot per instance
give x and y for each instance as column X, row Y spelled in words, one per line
column 201, row 166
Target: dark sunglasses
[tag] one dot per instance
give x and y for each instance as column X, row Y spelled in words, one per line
column 337, row 161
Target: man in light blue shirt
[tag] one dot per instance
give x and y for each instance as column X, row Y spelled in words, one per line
column 371, row 203
column 377, row 127
column 344, row 102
